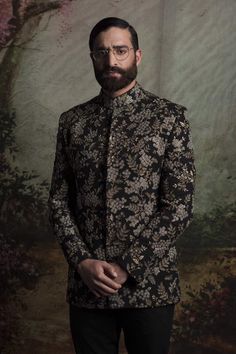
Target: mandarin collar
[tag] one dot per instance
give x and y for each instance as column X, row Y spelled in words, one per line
column 131, row 96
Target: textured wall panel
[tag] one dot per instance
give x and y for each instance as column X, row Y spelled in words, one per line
column 198, row 69
column 188, row 57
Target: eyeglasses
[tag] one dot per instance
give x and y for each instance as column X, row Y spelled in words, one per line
column 120, row 53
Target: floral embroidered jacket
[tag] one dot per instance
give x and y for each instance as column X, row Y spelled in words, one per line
column 122, row 191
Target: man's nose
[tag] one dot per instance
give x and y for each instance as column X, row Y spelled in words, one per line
column 111, row 59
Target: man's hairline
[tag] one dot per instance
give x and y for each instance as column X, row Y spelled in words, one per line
column 112, row 26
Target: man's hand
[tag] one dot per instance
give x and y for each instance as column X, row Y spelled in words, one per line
column 98, row 275
column 122, row 275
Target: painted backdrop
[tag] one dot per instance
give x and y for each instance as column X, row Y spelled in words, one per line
column 189, row 58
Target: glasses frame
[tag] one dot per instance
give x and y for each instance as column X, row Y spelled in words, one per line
column 107, row 50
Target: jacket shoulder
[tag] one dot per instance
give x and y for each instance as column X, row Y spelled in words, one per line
column 164, row 103
column 170, row 113
column 172, row 106
column 72, row 114
column 151, row 97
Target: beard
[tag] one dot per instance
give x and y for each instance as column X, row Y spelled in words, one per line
column 115, row 83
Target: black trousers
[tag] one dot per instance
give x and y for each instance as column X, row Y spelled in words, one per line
column 97, row 331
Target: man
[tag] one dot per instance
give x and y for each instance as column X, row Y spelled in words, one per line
column 121, row 194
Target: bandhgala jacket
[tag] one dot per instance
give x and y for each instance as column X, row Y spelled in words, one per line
column 122, row 191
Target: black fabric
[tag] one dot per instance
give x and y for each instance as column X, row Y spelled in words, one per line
column 97, row 331
column 122, row 192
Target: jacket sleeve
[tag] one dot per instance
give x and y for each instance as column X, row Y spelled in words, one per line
column 61, row 202
column 175, row 203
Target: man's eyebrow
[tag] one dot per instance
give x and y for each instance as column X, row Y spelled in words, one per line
column 99, row 48
column 114, row 46
column 120, row 46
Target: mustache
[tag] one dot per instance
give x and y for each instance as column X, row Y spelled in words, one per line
column 114, row 69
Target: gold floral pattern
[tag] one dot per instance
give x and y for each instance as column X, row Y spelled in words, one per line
column 122, row 191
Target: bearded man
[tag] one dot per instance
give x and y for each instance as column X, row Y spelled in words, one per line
column 121, row 193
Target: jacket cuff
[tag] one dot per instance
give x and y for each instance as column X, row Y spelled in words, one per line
column 134, row 270
column 74, row 258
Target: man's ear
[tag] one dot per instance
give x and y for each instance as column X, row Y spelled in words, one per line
column 138, row 55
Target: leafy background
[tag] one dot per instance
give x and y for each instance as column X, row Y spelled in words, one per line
column 189, row 57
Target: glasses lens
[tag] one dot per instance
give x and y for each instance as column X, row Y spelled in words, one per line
column 98, row 55
column 121, row 53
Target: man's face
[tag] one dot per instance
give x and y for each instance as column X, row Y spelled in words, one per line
column 111, row 73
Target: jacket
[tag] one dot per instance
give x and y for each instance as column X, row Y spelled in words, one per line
column 122, row 191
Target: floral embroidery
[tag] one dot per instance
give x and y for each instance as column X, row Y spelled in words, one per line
column 122, row 191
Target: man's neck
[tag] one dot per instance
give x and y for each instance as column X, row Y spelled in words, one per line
column 121, row 91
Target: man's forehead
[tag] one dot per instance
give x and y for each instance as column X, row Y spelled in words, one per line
column 113, row 36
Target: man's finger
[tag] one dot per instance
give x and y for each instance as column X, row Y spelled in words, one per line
column 96, row 293
column 101, row 286
column 109, row 270
column 108, row 282
column 103, row 293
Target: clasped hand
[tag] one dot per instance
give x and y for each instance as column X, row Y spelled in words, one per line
column 101, row 277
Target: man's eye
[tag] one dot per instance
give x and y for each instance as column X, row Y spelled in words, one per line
column 121, row 51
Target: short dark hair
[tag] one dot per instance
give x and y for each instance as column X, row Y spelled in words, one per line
column 108, row 22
